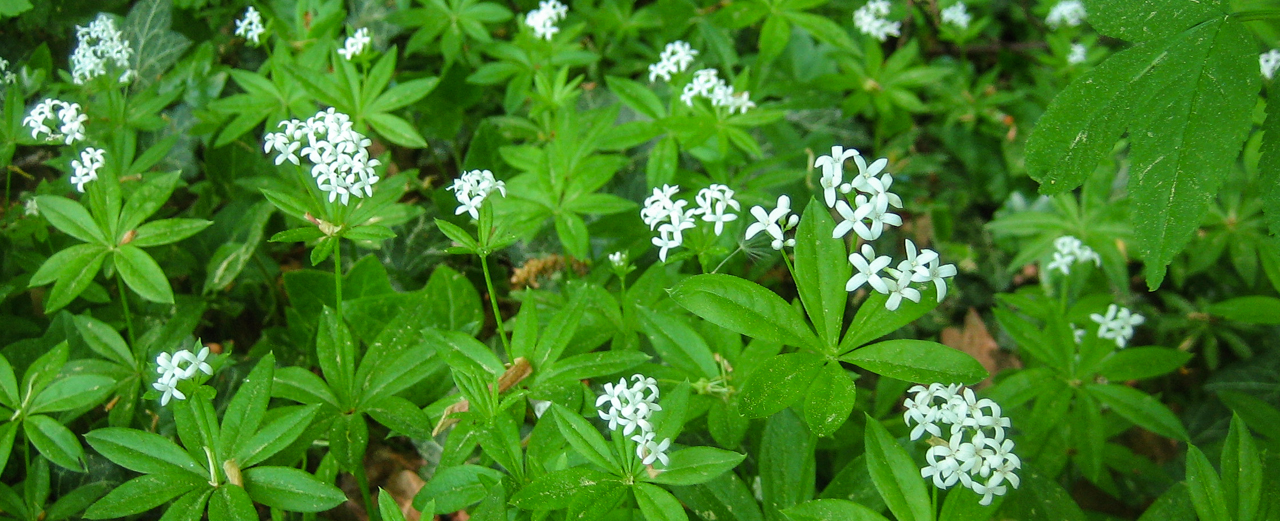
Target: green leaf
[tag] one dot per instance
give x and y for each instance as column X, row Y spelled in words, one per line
column 348, row 439
column 454, row 488
column 1255, row 412
column 141, row 273
column 572, row 231
column 11, row 8
column 895, row 475
column 74, row 502
column 774, row 36
column 143, row 452
column 458, row 235
column 291, row 489
column 829, row 400
column 302, row 386
column 287, row 203
column 369, row 232
column 8, row 432
column 389, row 510
column 966, row 507
column 584, row 438
column 833, row 510
column 660, row 169
column 873, row 320
column 1205, row 486
column 103, row 339
column 1140, row 408
column 787, row 465
column 275, row 435
column 73, row 392
column 555, row 490
column 1174, row 505
column 918, row 361
column 1249, row 310
column 678, row 344
column 1141, row 20
column 557, row 334
column 336, row 354
column 75, row 275
column 402, row 416
column 143, row 493
column 778, row 383
column 1241, row 472
column 167, row 231
column 744, row 307
column 396, row 130
column 657, row 504
column 247, row 408
column 232, row 503
column 155, row 47
column 144, row 201
column 70, row 218
column 1269, row 164
column 304, row 234
column 697, row 465
column 822, row 269
column 1138, row 363
column 53, row 440
column 404, row 94
column 8, row 384
column 592, row 365
column 637, row 96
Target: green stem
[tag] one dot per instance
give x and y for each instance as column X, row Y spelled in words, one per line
column 493, row 299
column 791, row 269
column 362, row 481
column 337, row 277
column 124, row 303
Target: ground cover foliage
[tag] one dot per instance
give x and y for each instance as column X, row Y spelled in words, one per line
column 666, row 260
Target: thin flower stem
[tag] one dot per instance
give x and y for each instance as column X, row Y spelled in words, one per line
column 726, row 259
column 124, row 304
column 337, row 277
column 791, row 269
column 493, row 299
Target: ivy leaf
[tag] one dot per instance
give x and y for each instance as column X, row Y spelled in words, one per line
column 155, row 47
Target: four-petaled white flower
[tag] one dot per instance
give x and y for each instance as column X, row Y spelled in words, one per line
column 1070, row 13
column 86, row 168
column 618, row 259
column 676, row 58
column 957, row 15
column 774, row 223
column 338, row 154
column 472, row 188
column 707, row 83
column 65, row 116
column 935, row 272
column 1070, row 250
column 649, row 451
column 355, row 44
column 833, row 173
column 98, row 45
column 177, row 367
column 714, row 203
column 543, row 20
column 1117, row 324
column 869, row 267
column 900, row 288
column 975, row 452
column 630, row 408
column 870, row 20
column 250, row 26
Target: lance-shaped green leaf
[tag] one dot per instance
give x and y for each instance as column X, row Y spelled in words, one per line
column 1140, row 408
column 834, row 510
column 584, row 438
column 70, row 218
column 918, row 361
column 141, row 273
column 697, row 465
column 744, row 307
column 1241, row 472
column 895, row 475
column 874, row 320
column 1269, row 163
column 143, row 493
column 73, row 392
column 556, row 490
column 247, row 408
column 143, row 452
column 657, row 504
column 822, row 269
column 55, row 441
column 1141, row 20
column 829, row 399
column 1205, row 486
column 777, row 383
column 291, row 489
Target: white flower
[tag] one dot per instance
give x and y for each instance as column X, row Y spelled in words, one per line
column 869, row 267
column 6, row 76
column 250, row 27
column 934, row 272
column 676, row 57
column 355, row 44
column 774, row 223
column 976, row 454
column 65, row 116
column 1270, row 62
column 618, row 259
column 171, row 370
column 713, row 204
column 876, row 211
column 648, row 451
column 866, row 173
column 833, row 173
column 703, row 84
column 957, row 15
column 99, row 44
column 1078, row 54
column 30, row 208
column 1070, row 13
column 339, row 155
column 543, row 19
column 86, row 168
column 194, row 363
column 870, row 20
column 668, row 217
column 1117, row 324
column 900, row 288
column 1071, row 250
column 170, row 390
column 630, row 408
column 473, row 188
column 944, row 467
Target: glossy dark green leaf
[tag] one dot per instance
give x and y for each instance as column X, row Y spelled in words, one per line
column 1249, row 310
column 1205, row 487
column 1242, row 477
column 697, row 465
column 822, row 269
column 873, row 320
column 779, row 382
column 143, row 452
column 1138, row 363
column 55, row 441
column 744, row 307
column 918, row 361
column 275, row 435
column 832, row 510
column 895, row 475
column 657, row 504
column 143, row 493
column 291, row 489
column 1140, row 408
column 142, row 274
column 584, row 438
column 71, row 218
column 829, row 400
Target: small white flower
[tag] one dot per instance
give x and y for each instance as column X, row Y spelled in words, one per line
column 866, row 172
column 935, row 272
column 1270, row 62
column 676, row 57
column 900, row 288
column 868, row 267
column 250, row 26
column 944, row 467
column 86, row 168
column 957, row 15
column 1117, row 324
column 714, row 203
column 648, row 451
column 170, row 390
column 472, row 188
column 6, row 76
column 774, row 223
column 543, row 19
column 172, row 372
column 1071, row 250
column 99, row 44
column 703, row 84
column 618, row 259
column 833, row 173
column 355, row 44
column 194, row 363
column 1070, row 13
column 870, row 20
column 1078, row 54
column 65, row 116
column 30, row 208
column 874, row 210
column 339, row 155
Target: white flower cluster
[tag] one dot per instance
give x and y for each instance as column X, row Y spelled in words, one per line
column 1270, row 62
column 670, row 217
column 1070, row 251
column 1078, row 54
column 870, row 20
column 976, row 453
column 355, row 44
column 775, row 223
column 543, row 20
column 86, row 168
column 707, row 83
column 631, row 408
column 957, row 15
column 618, row 259
column 339, row 155
column 1117, row 324
column 250, row 27
column 100, row 43
column 7, row 77
column 472, row 188
column 676, row 58
column 67, row 116
column 1070, row 13
column 868, row 221
column 176, row 368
